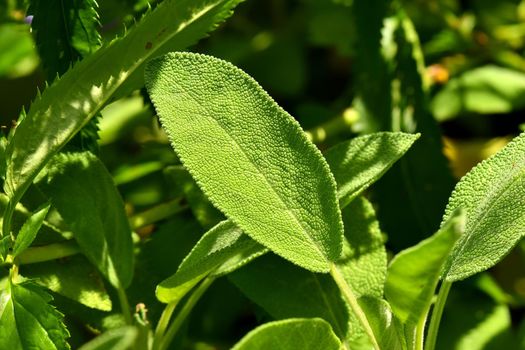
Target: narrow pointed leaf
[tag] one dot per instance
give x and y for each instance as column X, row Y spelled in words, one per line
column 28, row 321
column 29, row 231
column 414, row 273
column 69, row 103
column 291, row 334
column 114, row 339
column 359, row 162
column 492, row 195
column 79, row 183
column 249, row 156
column 221, row 250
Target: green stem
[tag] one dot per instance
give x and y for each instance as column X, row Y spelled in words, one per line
column 420, row 334
column 124, row 305
column 48, row 252
column 437, row 312
column 184, row 312
column 163, row 324
column 354, row 305
column 157, row 213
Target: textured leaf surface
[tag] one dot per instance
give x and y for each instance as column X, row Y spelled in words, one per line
column 359, row 162
column 292, row 334
column 102, row 231
column 74, row 278
column 28, row 321
column 305, row 294
column 414, row 273
column 65, row 31
column 492, row 195
column 67, row 105
column 487, row 90
column 364, row 260
column 29, row 231
column 249, row 156
column 222, row 249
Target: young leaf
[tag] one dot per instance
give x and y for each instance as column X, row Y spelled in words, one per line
column 492, row 195
column 102, row 231
column 249, row 154
column 291, row 334
column 28, row 321
column 385, row 325
column 114, row 339
column 361, row 161
column 69, row 103
column 221, row 250
column 74, row 278
column 414, row 273
column 29, row 230
column 64, row 32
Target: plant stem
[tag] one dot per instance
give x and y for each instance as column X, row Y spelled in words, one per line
column 159, row 212
column 163, row 324
column 124, row 305
column 184, row 312
column 354, row 305
column 48, row 252
column 420, row 333
column 436, row 315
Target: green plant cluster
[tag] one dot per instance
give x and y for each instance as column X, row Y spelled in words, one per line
column 157, row 197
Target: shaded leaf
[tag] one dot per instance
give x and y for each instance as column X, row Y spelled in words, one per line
column 249, row 151
column 361, row 161
column 291, row 334
column 102, row 231
column 492, row 195
column 28, row 321
column 114, row 339
column 386, row 327
column 414, row 273
column 29, row 231
column 222, row 249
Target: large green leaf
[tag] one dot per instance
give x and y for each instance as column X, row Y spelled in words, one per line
column 492, row 195
column 291, row 334
column 414, row 273
column 361, row 161
column 82, row 190
column 249, row 156
column 488, row 89
column 69, row 103
column 28, row 321
column 222, row 249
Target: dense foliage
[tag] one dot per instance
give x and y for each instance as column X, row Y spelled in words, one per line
column 157, row 196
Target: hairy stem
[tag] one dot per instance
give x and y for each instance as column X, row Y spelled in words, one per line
column 48, row 252
column 184, row 312
column 354, row 305
column 437, row 312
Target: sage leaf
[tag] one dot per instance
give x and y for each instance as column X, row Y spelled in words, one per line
column 75, row 279
column 28, row 321
column 29, row 231
column 220, row 250
column 386, row 327
column 114, row 70
column 79, row 183
column 291, row 334
column 114, row 339
column 414, row 273
column 249, row 156
column 492, row 195
column 361, row 161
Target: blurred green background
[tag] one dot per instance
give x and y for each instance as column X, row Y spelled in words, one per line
column 325, row 62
